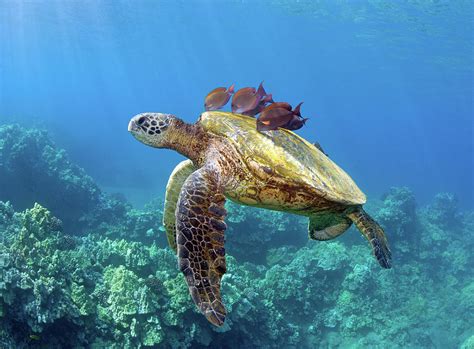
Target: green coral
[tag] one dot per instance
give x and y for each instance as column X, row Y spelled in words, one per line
column 29, row 159
column 126, row 295
column 130, row 292
column 82, row 300
column 116, row 284
column 250, row 227
column 468, row 343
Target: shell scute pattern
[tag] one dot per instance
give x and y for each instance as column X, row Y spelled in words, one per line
column 285, row 156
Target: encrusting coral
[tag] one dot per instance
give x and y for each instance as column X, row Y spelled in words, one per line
column 117, row 285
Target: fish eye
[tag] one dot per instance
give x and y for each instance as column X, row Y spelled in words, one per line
column 141, row 120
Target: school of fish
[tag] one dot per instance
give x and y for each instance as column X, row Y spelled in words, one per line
column 252, row 102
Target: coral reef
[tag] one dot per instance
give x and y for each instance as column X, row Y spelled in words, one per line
column 101, row 276
column 113, row 292
column 468, row 343
column 138, row 225
column 397, row 214
column 33, row 169
column 250, row 227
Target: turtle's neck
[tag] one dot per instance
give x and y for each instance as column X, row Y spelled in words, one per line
column 190, row 141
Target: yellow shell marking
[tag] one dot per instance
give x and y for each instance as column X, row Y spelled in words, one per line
column 286, row 154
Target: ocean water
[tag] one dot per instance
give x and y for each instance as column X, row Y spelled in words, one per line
column 388, row 87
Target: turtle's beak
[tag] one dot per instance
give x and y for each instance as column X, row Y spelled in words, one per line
column 132, row 126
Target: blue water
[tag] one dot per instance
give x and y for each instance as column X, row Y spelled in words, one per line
column 388, row 86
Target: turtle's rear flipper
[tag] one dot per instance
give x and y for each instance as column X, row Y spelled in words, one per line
column 374, row 233
column 200, row 230
column 327, row 226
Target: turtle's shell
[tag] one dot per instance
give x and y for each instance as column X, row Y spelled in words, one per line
column 286, row 153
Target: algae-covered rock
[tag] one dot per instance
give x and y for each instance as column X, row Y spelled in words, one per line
column 397, row 215
column 113, row 283
column 98, row 291
column 443, row 210
column 468, row 343
column 35, row 287
column 252, row 232
column 139, row 225
column 33, row 169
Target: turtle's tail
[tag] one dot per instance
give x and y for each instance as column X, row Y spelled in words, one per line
column 374, row 233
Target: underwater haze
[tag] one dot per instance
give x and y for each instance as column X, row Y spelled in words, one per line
column 388, row 87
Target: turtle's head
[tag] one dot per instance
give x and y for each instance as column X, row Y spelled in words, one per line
column 152, row 128
column 167, row 131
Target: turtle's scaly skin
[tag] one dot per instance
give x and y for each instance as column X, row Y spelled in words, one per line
column 200, row 238
column 276, row 170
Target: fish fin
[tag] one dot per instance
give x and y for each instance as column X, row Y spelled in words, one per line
column 265, row 127
column 297, row 110
column 217, row 89
column 260, row 90
column 231, row 89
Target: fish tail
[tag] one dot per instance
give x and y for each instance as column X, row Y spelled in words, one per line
column 231, row 89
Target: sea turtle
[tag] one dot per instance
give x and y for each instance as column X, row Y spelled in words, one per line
column 229, row 158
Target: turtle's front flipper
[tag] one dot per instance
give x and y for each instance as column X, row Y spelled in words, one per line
column 200, row 236
column 180, row 173
column 374, row 234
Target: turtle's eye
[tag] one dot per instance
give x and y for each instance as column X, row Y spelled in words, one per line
column 141, row 120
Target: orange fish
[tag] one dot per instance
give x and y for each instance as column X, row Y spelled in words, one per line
column 249, row 101
column 218, row 97
column 244, row 100
column 273, row 117
column 255, row 111
column 297, row 121
column 283, row 105
column 260, row 106
column 280, row 114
